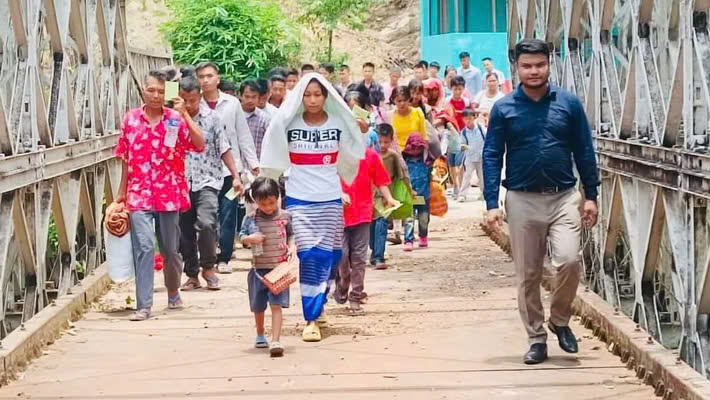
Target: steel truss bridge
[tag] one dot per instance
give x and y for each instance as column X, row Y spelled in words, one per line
column 67, row 76
column 642, row 69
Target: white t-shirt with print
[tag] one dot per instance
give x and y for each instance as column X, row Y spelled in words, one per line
column 313, row 151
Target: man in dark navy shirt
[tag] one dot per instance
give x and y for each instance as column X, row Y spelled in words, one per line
column 541, row 129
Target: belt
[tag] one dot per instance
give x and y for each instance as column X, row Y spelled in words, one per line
column 545, row 189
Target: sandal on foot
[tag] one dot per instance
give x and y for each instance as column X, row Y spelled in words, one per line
column 311, row 333
column 175, row 303
column 355, row 309
column 140, row 315
column 190, row 285
column 276, row 349
column 261, row 342
column 322, row 321
column 212, row 282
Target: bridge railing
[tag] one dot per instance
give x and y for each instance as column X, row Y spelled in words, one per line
column 66, row 78
column 641, row 69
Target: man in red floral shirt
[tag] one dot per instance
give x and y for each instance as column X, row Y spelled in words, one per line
column 153, row 144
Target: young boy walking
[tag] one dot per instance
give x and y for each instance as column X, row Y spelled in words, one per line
column 394, row 164
column 473, row 136
column 358, row 202
column 458, row 103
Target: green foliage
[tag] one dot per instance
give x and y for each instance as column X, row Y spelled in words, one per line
column 330, row 13
column 52, row 240
column 324, row 16
column 245, row 38
column 336, row 58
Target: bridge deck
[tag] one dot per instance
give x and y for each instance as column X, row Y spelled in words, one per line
column 439, row 326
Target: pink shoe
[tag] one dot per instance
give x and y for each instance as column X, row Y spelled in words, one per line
column 423, row 242
column 409, row 246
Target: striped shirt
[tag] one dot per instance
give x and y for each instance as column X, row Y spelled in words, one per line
column 258, row 120
column 277, row 229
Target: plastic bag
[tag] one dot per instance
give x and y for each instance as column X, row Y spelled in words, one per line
column 400, row 192
column 438, row 206
column 119, row 257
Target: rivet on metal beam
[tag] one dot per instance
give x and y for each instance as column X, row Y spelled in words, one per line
column 650, row 340
column 22, row 326
column 54, row 303
column 660, row 389
column 638, row 328
column 616, row 310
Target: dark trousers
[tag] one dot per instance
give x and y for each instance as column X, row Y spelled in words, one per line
column 352, row 265
column 199, row 232
column 378, row 240
column 227, row 222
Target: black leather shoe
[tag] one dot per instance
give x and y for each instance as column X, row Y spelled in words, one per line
column 565, row 338
column 536, row 354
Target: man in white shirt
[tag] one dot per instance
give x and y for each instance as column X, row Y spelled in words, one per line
column 470, row 74
column 264, row 104
column 230, row 113
column 489, row 67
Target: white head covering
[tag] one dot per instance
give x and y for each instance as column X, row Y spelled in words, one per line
column 274, row 150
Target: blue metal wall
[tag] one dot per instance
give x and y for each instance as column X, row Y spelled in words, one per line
column 476, row 33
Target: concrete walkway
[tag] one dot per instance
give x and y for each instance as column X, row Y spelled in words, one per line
column 441, row 324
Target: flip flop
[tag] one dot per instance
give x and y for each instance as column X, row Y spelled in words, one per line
column 355, row 309
column 190, row 285
column 175, row 303
column 276, row 349
column 311, row 333
column 212, row 282
column 261, row 342
column 322, row 321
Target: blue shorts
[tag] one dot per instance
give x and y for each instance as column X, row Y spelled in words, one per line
column 455, row 159
column 260, row 296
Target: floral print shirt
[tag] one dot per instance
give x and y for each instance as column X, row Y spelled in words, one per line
column 156, row 161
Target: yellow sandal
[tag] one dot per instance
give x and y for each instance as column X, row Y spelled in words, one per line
column 311, row 333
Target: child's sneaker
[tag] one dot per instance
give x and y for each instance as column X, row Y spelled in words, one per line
column 381, row 266
column 276, row 349
column 409, row 246
column 423, row 242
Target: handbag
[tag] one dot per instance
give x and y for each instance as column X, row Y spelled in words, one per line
column 438, row 206
column 281, row 277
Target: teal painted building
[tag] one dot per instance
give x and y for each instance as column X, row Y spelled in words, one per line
column 449, row 27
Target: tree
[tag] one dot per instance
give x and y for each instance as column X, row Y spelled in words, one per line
column 245, row 38
column 327, row 14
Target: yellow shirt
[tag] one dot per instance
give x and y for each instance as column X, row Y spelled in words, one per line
column 405, row 125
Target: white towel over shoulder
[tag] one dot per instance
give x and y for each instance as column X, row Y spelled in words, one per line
column 274, row 154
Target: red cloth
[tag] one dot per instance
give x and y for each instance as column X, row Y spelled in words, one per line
column 156, row 172
column 212, row 104
column 458, row 106
column 371, row 172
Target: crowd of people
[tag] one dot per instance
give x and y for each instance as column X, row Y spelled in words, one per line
column 309, row 165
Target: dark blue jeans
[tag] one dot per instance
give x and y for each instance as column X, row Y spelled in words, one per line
column 228, row 210
column 378, row 240
column 421, row 214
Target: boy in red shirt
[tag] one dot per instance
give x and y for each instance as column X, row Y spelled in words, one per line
column 458, row 102
column 358, row 200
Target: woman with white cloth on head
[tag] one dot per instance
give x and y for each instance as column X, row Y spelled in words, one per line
column 315, row 134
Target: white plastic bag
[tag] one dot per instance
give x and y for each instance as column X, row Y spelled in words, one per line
column 119, row 257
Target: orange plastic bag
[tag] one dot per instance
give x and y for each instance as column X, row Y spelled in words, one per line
column 438, row 206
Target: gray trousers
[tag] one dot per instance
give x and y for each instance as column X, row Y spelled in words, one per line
column 533, row 220
column 356, row 240
column 471, row 168
column 198, row 227
column 167, row 230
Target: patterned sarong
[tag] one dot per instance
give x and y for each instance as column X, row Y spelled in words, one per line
column 318, row 229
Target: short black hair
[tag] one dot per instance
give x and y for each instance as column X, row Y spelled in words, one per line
column 263, row 87
column 307, row 67
column 385, row 130
column 187, row 70
column 415, row 84
column 458, row 81
column 277, row 71
column 402, row 91
column 425, row 63
column 436, row 65
column 345, row 67
column 420, row 65
column 156, row 74
column 277, row 78
column 206, row 64
column 328, row 67
column 488, row 75
column 261, row 189
column 358, row 96
column 487, row 59
column 464, row 54
column 227, row 86
column 368, row 64
column 190, row 84
column 292, row 71
column 251, row 85
column 468, row 112
column 531, row 46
